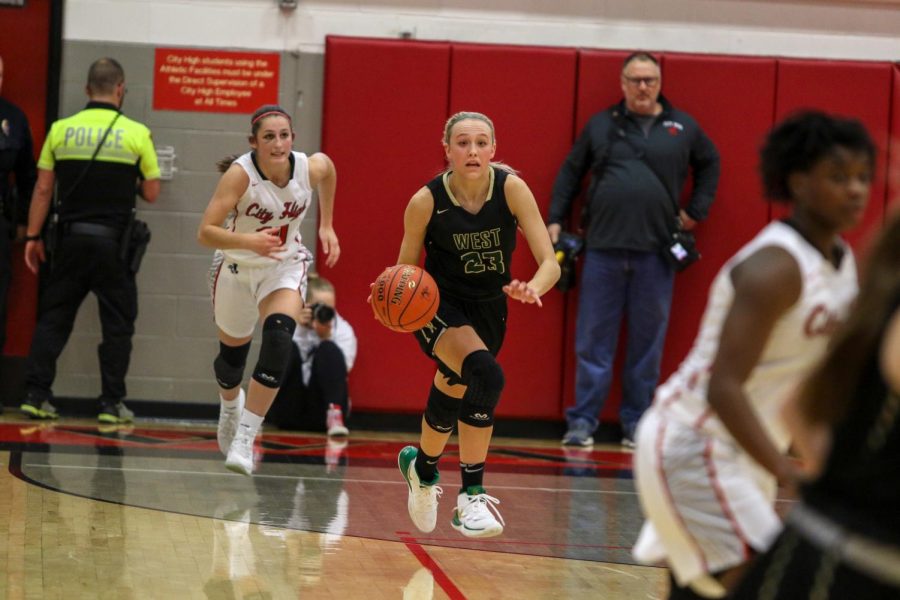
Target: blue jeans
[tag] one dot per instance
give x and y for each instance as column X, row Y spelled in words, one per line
column 617, row 283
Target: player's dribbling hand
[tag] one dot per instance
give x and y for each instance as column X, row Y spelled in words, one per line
column 266, row 242
column 521, row 291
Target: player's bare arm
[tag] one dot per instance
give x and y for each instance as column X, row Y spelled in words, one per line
column 211, row 234
column 524, row 207
column 811, row 441
column 890, row 354
column 415, row 221
column 766, row 285
column 323, row 177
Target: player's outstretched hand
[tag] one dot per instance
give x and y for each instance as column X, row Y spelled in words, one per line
column 521, row 291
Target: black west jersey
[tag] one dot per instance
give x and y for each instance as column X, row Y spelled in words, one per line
column 469, row 255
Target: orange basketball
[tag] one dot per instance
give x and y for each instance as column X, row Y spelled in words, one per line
column 405, row 298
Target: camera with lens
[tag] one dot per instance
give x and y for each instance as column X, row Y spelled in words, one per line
column 322, row 313
column 567, row 248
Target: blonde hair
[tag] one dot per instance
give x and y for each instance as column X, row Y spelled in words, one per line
column 317, row 283
column 476, row 116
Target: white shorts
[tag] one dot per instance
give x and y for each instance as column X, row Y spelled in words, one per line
column 237, row 289
column 706, row 502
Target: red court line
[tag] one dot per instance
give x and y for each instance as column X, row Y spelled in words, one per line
column 439, row 575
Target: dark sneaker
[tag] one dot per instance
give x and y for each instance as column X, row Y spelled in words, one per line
column 114, row 413
column 579, row 434
column 37, row 409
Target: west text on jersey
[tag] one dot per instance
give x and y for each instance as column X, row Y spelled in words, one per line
column 477, row 241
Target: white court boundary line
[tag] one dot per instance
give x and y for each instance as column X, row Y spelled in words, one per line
column 294, row 477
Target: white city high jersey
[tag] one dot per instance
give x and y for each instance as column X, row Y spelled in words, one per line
column 797, row 340
column 265, row 205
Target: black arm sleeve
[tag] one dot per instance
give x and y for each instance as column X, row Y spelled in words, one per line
column 26, row 176
column 705, row 165
column 568, row 181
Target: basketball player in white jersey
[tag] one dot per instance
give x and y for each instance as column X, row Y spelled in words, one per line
column 260, row 268
column 711, row 450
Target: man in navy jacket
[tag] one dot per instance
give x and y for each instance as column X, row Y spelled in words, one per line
column 640, row 153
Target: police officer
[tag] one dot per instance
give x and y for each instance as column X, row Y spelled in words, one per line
column 16, row 158
column 96, row 157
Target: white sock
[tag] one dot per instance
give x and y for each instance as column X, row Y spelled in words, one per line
column 230, row 405
column 250, row 421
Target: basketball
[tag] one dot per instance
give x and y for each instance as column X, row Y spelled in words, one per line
column 405, row 298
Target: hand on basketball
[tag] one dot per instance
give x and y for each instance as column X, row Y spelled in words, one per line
column 521, row 291
column 266, row 242
column 330, row 245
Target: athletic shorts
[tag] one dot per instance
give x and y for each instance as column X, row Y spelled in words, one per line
column 488, row 319
column 238, row 289
column 706, row 502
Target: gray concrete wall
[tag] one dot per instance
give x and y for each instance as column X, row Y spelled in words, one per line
column 175, row 340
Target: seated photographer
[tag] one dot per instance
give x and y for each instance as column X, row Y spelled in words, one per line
column 314, row 394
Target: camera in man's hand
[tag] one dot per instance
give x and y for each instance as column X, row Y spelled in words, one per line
column 322, row 313
column 567, row 248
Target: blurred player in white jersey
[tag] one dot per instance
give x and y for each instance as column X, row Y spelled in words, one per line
column 712, row 448
column 260, row 268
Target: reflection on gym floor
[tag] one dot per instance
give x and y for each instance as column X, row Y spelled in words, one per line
column 150, row 511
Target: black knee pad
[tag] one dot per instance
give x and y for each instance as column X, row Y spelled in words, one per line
column 484, row 381
column 441, row 411
column 229, row 365
column 277, row 337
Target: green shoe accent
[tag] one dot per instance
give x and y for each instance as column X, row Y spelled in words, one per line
column 454, row 520
column 473, row 490
column 110, row 418
column 34, row 412
column 405, row 459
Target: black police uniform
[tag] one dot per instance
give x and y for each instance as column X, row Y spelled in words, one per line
column 469, row 257
column 16, row 157
column 97, row 198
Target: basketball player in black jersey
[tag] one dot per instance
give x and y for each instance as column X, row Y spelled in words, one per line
column 466, row 220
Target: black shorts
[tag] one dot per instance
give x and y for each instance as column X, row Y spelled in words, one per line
column 487, row 318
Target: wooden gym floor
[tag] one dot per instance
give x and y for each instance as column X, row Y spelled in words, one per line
column 149, row 511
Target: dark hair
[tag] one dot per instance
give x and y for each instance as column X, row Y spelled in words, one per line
column 799, row 142
column 265, row 111
column 639, row 55
column 104, row 75
column 828, row 392
column 256, row 119
column 223, row 163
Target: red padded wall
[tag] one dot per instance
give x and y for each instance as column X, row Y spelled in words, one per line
column 385, row 107
column 25, row 48
column 737, row 123
column 539, row 99
column 856, row 89
column 893, row 172
column 531, row 105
